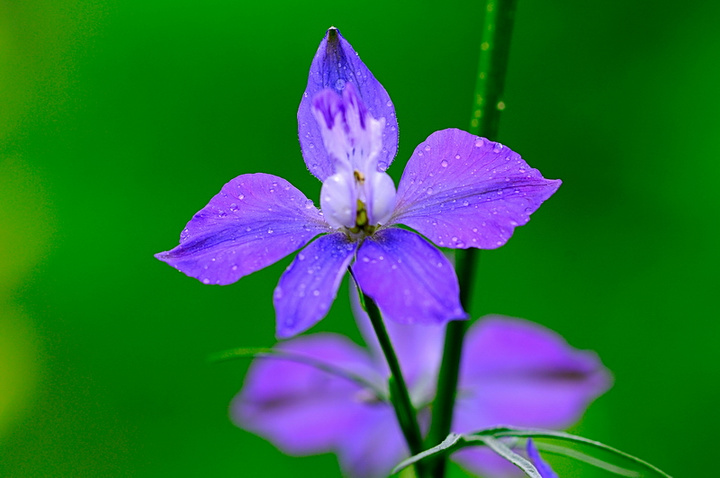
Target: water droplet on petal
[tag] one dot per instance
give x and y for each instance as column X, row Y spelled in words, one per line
column 479, row 143
column 457, row 156
column 429, row 190
column 234, row 267
column 389, row 103
column 316, row 292
column 340, row 84
column 444, row 163
column 206, row 281
column 427, row 148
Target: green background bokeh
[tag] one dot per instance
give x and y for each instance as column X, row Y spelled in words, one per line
column 119, row 120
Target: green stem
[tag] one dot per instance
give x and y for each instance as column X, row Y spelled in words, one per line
column 496, row 30
column 399, row 394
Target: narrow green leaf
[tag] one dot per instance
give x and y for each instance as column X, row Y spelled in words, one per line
column 590, row 460
column 539, row 433
column 448, row 445
column 504, row 451
column 268, row 353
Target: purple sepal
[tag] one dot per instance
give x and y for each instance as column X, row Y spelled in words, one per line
column 335, row 64
column 300, row 408
column 409, row 279
column 520, row 373
column 254, row 221
column 309, row 285
column 463, row 191
column 304, row 410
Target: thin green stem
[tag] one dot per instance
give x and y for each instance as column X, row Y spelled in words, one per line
column 399, row 394
column 495, row 33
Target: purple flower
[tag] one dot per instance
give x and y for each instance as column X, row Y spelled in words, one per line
column 513, row 373
column 457, row 190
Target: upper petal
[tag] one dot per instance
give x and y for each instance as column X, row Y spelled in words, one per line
column 515, row 372
column 299, row 408
column 409, row 279
column 335, row 64
column 309, row 285
column 255, row 220
column 463, row 191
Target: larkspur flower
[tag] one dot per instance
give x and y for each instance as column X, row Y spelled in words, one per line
column 513, row 372
column 457, row 190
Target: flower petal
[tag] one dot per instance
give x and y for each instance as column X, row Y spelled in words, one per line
column 409, row 279
column 309, row 285
column 335, row 64
column 514, row 372
column 463, row 191
column 254, row 221
column 299, row 408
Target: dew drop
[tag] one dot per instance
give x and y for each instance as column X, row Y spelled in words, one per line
column 365, row 259
column 241, row 197
column 457, row 156
column 301, row 257
column 389, row 103
column 234, row 268
column 340, row 84
column 206, row 281
column 316, row 292
column 427, row 148
column 429, row 190
column 479, row 143
column 444, row 164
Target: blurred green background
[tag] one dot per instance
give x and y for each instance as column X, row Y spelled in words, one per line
column 120, row 119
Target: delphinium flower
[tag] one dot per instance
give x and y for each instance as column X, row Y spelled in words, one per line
column 458, row 190
column 513, row 372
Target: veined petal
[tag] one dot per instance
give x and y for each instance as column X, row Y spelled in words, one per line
column 350, row 134
column 409, row 279
column 334, row 66
column 520, row 373
column 309, row 285
column 463, row 191
column 255, row 220
column 299, row 408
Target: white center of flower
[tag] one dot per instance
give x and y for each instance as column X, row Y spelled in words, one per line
column 358, row 197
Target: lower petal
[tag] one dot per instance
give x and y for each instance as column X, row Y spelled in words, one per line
column 410, row 280
column 309, row 285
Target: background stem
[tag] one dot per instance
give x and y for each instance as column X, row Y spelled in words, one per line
column 495, row 32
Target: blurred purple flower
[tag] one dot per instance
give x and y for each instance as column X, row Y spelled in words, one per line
column 513, row 372
column 457, row 190
column 542, row 467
